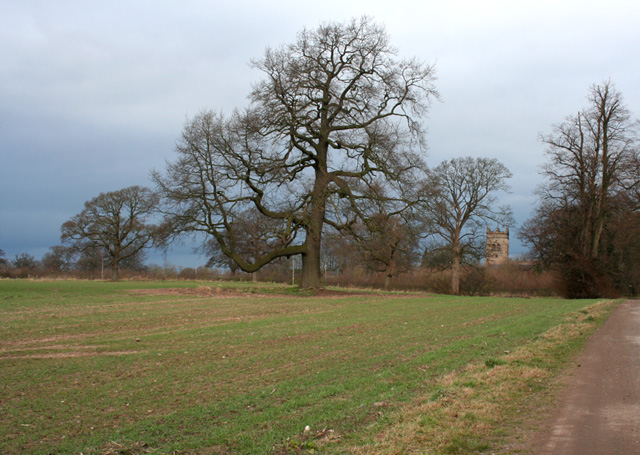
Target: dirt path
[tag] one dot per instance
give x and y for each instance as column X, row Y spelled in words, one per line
column 599, row 411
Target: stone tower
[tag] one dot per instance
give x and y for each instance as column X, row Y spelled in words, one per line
column 497, row 248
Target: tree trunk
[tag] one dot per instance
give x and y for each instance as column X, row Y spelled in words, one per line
column 389, row 273
column 455, row 272
column 310, row 278
column 599, row 219
column 387, row 282
column 311, row 271
column 114, row 270
column 597, row 235
column 455, row 276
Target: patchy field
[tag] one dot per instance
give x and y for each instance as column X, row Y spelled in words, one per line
column 207, row 368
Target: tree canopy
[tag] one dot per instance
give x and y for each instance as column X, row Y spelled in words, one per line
column 115, row 225
column 337, row 112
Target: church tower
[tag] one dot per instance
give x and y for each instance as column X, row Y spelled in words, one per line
column 497, row 246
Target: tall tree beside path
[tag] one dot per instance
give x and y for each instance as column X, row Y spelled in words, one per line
column 592, row 182
column 591, row 157
column 116, row 224
column 460, row 200
column 336, row 112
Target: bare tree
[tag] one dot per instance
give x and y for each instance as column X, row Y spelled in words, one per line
column 591, row 159
column 337, row 109
column 389, row 244
column 92, row 261
column 216, row 258
column 255, row 235
column 384, row 226
column 25, row 261
column 592, row 181
column 59, row 259
column 339, row 253
column 3, row 261
column 460, row 199
column 115, row 223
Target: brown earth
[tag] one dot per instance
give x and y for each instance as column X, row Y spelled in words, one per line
column 598, row 410
column 233, row 293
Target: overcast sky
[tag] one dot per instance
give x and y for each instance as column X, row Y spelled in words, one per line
column 93, row 95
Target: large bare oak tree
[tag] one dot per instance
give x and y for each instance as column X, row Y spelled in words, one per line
column 336, row 111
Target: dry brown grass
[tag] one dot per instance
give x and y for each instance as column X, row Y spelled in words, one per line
column 511, row 279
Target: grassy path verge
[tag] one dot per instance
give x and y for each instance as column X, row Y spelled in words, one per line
column 192, row 368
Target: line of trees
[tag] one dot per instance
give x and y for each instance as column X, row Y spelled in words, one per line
column 326, row 164
column 331, row 146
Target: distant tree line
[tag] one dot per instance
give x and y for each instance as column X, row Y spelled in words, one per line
column 323, row 175
column 329, row 152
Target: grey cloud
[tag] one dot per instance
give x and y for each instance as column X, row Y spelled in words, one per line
column 94, row 94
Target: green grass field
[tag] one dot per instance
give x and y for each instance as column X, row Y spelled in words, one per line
column 207, row 368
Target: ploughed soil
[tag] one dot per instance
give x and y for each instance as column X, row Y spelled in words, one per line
column 598, row 410
column 320, row 293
